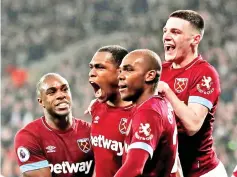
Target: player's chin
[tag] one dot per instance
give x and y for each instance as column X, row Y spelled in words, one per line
column 62, row 113
column 169, row 57
column 125, row 96
column 123, row 93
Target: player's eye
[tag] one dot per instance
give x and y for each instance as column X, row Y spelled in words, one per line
column 176, row 31
column 129, row 69
column 65, row 89
column 100, row 67
column 50, row 92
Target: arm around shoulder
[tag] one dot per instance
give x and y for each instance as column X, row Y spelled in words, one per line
column 192, row 115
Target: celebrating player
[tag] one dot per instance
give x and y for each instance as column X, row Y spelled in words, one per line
column 192, row 86
column 56, row 144
column 110, row 115
column 151, row 141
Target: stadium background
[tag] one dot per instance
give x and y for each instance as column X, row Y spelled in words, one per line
column 40, row 36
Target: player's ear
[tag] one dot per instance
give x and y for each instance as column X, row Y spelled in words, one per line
column 196, row 39
column 40, row 102
column 150, row 76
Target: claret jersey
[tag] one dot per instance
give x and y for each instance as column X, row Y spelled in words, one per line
column 66, row 153
column 109, row 125
column 198, row 82
column 153, row 128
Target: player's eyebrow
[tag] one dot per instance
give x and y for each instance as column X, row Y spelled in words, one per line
column 126, row 67
column 96, row 65
column 175, row 29
column 172, row 29
column 50, row 89
column 56, row 87
column 64, row 85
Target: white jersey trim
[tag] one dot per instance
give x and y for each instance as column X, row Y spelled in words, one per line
column 218, row 171
column 34, row 166
column 141, row 145
column 200, row 100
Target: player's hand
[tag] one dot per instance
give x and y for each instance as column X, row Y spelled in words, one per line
column 88, row 110
column 163, row 88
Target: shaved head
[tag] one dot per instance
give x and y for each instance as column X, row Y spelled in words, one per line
column 139, row 74
column 149, row 60
column 45, row 77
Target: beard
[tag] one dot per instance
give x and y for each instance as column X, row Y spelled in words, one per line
column 57, row 115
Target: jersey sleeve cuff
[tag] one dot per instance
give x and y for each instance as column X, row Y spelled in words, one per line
column 200, row 100
column 141, row 145
column 34, row 166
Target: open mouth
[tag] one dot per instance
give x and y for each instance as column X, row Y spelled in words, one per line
column 62, row 105
column 97, row 89
column 122, row 87
column 169, row 47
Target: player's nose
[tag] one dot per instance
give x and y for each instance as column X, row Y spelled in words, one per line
column 166, row 37
column 61, row 95
column 121, row 76
column 92, row 72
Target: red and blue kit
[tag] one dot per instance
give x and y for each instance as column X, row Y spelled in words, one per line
column 67, row 153
column 198, row 82
column 109, row 125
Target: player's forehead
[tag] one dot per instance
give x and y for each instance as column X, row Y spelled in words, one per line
column 53, row 82
column 133, row 60
column 177, row 23
column 102, row 58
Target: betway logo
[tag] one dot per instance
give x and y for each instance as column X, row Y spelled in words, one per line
column 101, row 141
column 66, row 167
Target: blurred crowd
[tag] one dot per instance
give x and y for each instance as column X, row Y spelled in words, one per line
column 40, row 36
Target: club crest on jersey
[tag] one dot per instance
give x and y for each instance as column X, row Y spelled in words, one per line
column 123, row 125
column 23, row 154
column 205, row 85
column 144, row 132
column 180, row 84
column 84, row 144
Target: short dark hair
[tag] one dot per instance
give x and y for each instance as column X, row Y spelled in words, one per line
column 191, row 16
column 117, row 52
